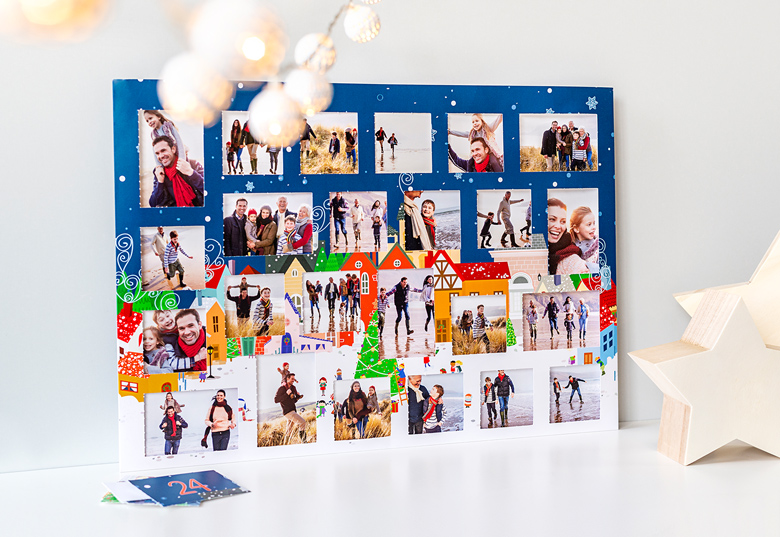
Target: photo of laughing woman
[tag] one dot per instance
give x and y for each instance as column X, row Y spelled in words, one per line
column 564, row 257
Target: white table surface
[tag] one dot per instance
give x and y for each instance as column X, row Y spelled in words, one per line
column 604, row 484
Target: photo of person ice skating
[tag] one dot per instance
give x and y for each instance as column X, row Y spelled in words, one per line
column 575, row 393
column 406, row 306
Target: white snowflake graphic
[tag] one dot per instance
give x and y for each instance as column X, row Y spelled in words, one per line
column 592, row 102
column 433, row 135
column 550, row 111
column 458, row 176
column 250, row 186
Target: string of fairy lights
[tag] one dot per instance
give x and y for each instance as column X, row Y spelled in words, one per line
column 221, row 47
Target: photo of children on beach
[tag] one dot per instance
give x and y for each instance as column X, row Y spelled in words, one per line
column 575, row 393
column 560, row 320
column 267, row 224
column 173, row 258
column 328, row 143
column 573, row 230
column 431, row 220
column 358, row 222
column 507, row 213
column 362, row 408
column 558, row 142
column 174, row 341
column 329, row 303
column 182, row 422
column 254, row 305
column 476, row 143
column 506, row 398
column 242, row 154
column 170, row 151
column 288, row 400
column 403, row 143
column 435, row 403
column 478, row 324
column 406, row 313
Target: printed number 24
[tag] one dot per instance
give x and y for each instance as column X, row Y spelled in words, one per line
column 194, row 484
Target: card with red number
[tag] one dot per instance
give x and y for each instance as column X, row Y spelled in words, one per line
column 190, row 488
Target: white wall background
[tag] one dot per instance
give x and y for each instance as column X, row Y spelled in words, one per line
column 696, row 117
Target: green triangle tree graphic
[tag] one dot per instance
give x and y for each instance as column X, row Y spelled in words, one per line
column 511, row 339
column 369, row 363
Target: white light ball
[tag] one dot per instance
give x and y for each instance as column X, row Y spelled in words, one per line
column 371, row 2
column 191, row 89
column 242, row 39
column 310, row 90
column 361, row 23
column 316, row 52
column 274, row 117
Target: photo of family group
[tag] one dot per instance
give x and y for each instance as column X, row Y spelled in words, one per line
column 573, row 230
column 558, row 142
column 242, row 154
column 403, row 143
column 565, row 320
column 478, row 324
column 362, row 408
column 254, row 305
column 476, row 143
column 173, row 258
column 288, row 400
column 431, row 220
column 507, row 212
column 405, row 308
column 329, row 143
column 435, row 403
column 178, row 423
column 575, row 393
column 174, row 341
column 358, row 221
column 267, row 224
column 506, row 398
column 331, row 302
column 170, row 151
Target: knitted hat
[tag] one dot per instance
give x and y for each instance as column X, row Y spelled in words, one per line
column 251, row 212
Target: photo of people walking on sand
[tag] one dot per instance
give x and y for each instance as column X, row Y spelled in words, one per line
column 254, row 305
column 506, row 398
column 329, row 143
column 431, row 220
column 560, row 320
column 406, row 313
column 435, row 403
column 362, row 408
column 267, row 224
column 573, row 231
column 170, row 151
column 403, row 143
column 242, row 154
column 478, row 324
column 559, row 142
column 173, row 258
column 575, row 393
column 504, row 218
column 358, row 222
column 475, row 143
column 288, row 398
column 185, row 422
column 174, row 341
column 331, row 302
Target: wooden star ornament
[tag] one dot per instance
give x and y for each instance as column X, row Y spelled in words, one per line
column 719, row 382
column 761, row 295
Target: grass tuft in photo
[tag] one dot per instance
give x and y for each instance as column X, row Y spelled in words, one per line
column 465, row 344
column 531, row 160
column 277, row 432
column 247, row 329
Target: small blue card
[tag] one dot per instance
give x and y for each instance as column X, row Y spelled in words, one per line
column 187, row 489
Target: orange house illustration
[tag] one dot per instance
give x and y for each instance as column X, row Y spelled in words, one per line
column 362, row 263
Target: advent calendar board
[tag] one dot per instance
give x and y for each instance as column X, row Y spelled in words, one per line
column 427, row 264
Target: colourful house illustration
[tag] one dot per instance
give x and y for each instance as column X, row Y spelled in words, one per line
column 366, row 268
column 293, row 267
column 292, row 341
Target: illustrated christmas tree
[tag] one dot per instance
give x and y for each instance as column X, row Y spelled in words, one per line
column 369, row 363
column 322, row 260
column 511, row 339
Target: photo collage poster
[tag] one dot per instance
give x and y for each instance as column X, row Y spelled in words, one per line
column 424, row 259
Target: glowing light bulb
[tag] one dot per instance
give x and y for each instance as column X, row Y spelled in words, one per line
column 361, row 23
column 275, row 129
column 253, row 48
column 315, row 52
column 311, row 90
column 274, row 117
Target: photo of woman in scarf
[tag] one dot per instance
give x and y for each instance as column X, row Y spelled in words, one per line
column 220, row 421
